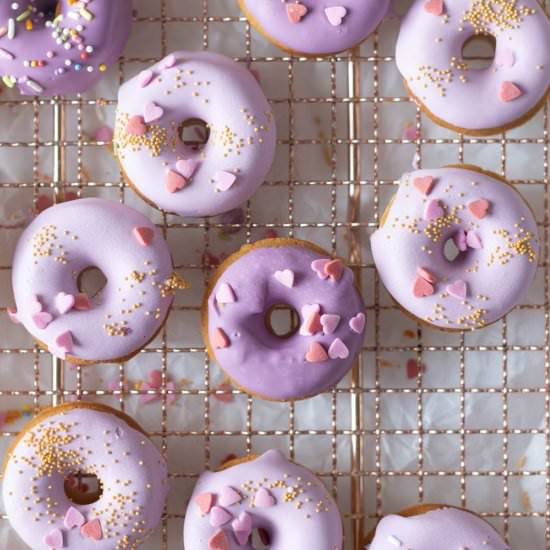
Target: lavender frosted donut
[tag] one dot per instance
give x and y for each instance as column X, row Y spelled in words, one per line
column 176, row 176
column 492, row 229
column 50, row 47
column 62, row 243
column 310, row 27
column 320, row 290
column 269, row 493
column 85, row 438
column 424, row 527
column 472, row 100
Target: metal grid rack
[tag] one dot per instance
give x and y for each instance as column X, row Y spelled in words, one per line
column 357, row 146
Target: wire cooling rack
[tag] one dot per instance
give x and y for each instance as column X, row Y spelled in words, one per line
column 471, row 428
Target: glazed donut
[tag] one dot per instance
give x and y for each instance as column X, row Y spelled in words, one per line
column 320, row 290
column 176, row 176
column 423, row 527
column 71, row 45
column 308, row 28
column 466, row 99
column 270, row 493
column 84, row 438
column 59, row 246
column 490, row 227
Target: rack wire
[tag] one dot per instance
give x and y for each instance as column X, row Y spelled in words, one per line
column 363, row 437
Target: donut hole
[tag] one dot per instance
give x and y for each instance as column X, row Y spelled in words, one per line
column 479, row 51
column 451, row 252
column 194, row 133
column 83, row 488
column 282, row 320
column 91, row 281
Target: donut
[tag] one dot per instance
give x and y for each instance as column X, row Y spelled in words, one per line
column 310, row 29
column 284, row 501
column 321, row 293
column 424, row 526
column 71, row 44
column 53, row 254
column 94, row 440
column 477, row 216
column 464, row 98
column 179, row 176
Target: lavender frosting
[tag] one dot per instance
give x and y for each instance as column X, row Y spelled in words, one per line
column 429, row 56
column 458, row 528
column 45, row 52
column 313, row 27
column 490, row 224
column 331, row 314
column 80, row 437
column 65, row 240
column 270, row 493
column 180, row 178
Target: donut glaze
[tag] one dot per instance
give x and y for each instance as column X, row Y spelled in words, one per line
column 270, row 493
column 55, row 48
column 455, row 95
column 458, row 528
column 180, row 178
column 64, row 241
column 91, row 439
column 489, row 223
column 276, row 272
column 311, row 27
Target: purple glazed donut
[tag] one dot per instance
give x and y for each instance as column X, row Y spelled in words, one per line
column 322, row 293
column 269, row 493
column 176, row 176
column 61, row 244
column 488, row 224
column 425, row 530
column 310, row 27
column 50, row 47
column 84, row 438
column 459, row 96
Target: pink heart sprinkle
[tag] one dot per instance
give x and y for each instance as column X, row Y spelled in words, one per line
column 285, row 277
column 204, row 501
column 334, row 269
column 264, row 498
column 152, row 112
column 174, row 181
column 338, row 350
column 169, row 61
column 218, row 541
column 73, row 518
column 435, row 7
column 311, row 325
column 12, row 314
column 92, row 530
column 64, row 302
column 426, row 275
column 54, row 539
column 224, row 180
column 424, row 184
column 505, row 58
column 143, row 235
column 479, row 208
column 509, row 91
column 316, row 353
column 82, row 302
column 145, row 77
column 186, row 167
column 219, row 516
column 422, row 288
column 357, row 323
column 35, row 305
column 136, row 126
column 65, row 341
column 329, row 322
column 335, row 15
column 219, row 339
column 295, row 12
column 433, row 210
column 229, row 496
column 308, row 311
column 225, row 294
column 319, row 267
column 42, row 319
column 242, row 528
column 473, row 240
column 458, row 289
column 459, row 238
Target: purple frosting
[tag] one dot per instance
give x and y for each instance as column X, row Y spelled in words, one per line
column 65, row 240
column 47, row 54
column 331, row 314
column 76, row 438
column 429, row 56
column 461, row 530
column 489, row 224
column 180, row 178
column 312, row 27
column 270, row 493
